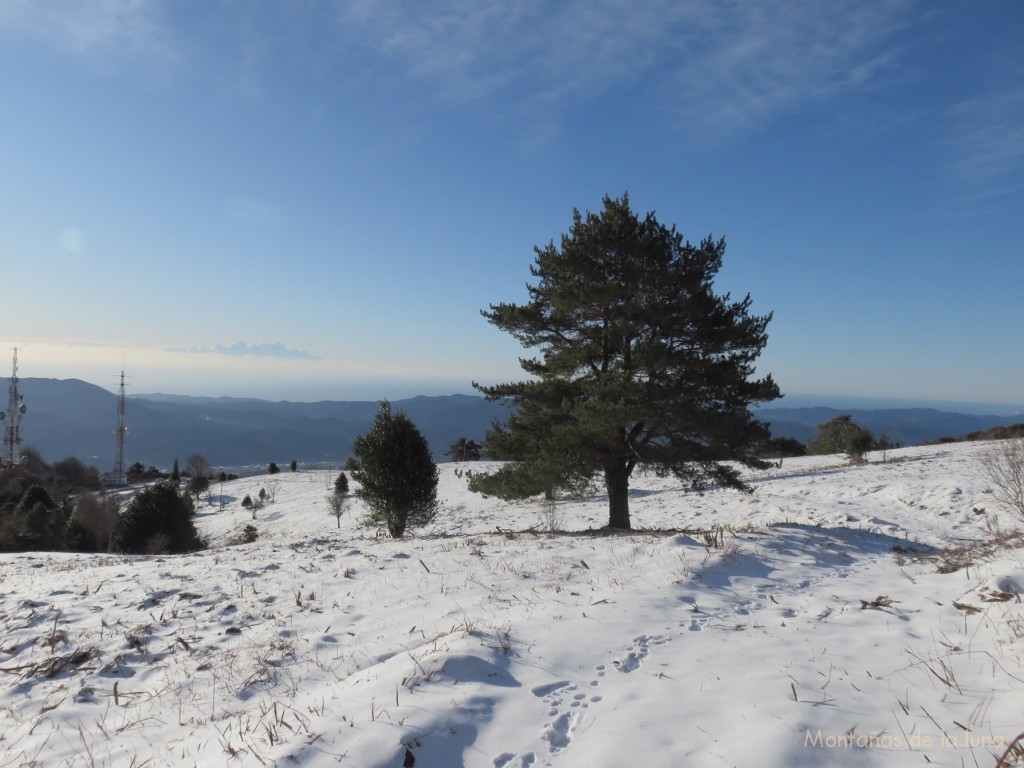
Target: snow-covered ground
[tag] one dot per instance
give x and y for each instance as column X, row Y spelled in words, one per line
column 819, row 626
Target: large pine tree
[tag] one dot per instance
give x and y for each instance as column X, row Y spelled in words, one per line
column 640, row 364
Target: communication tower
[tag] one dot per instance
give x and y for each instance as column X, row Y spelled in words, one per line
column 12, row 420
column 121, row 432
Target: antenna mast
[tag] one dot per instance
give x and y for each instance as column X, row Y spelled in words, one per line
column 12, row 420
column 121, row 432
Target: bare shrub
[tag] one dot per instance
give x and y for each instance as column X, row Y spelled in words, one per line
column 968, row 555
column 550, row 515
column 1002, row 464
column 272, row 486
column 336, row 504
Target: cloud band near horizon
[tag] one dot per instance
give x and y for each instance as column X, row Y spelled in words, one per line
column 243, row 349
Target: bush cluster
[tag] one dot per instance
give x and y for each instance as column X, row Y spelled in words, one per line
column 842, row 435
column 38, row 501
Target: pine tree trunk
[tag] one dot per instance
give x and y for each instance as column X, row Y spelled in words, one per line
column 616, row 478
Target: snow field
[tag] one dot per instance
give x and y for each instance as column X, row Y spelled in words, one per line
column 806, row 624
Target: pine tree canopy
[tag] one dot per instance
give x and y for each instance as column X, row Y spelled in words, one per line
column 639, row 363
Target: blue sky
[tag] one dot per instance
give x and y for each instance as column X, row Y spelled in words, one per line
column 314, row 200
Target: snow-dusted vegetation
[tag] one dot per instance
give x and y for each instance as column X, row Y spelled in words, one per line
column 839, row 615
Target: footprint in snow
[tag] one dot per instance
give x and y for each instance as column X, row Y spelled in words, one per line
column 566, row 703
column 565, row 706
column 541, row 691
column 558, row 733
column 640, row 648
column 510, row 760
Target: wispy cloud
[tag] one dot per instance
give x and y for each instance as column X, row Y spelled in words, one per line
column 126, row 26
column 748, row 63
column 467, row 50
column 242, row 349
column 987, row 141
column 722, row 66
column 727, row 65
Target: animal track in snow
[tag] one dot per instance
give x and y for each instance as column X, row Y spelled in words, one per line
column 565, row 706
column 558, row 733
column 566, row 703
column 510, row 760
column 635, row 657
column 541, row 691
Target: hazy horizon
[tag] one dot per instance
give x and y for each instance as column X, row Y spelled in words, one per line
column 372, row 391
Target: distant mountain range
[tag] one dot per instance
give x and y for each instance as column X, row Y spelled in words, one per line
column 68, row 417
column 905, row 426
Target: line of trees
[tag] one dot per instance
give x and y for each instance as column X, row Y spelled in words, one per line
column 37, row 501
column 158, row 519
column 66, row 507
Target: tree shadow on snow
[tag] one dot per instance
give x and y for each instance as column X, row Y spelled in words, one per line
column 835, row 469
column 807, row 545
column 450, row 741
column 795, row 538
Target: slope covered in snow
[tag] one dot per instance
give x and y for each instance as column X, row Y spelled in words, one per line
column 822, row 620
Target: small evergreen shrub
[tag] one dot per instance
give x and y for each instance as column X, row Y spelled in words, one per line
column 157, row 520
column 35, row 494
column 341, row 485
column 396, row 474
column 198, row 485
